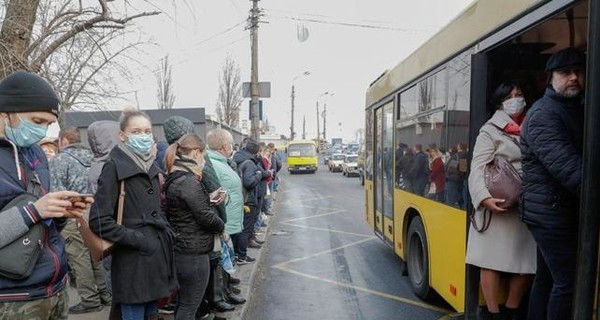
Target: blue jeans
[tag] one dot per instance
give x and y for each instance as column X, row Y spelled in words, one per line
column 138, row 311
column 552, row 291
column 193, row 271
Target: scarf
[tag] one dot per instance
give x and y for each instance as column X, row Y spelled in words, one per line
column 142, row 161
column 186, row 164
column 515, row 128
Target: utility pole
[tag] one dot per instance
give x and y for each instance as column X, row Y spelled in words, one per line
column 325, row 122
column 253, row 20
column 318, row 128
column 292, row 124
column 304, row 128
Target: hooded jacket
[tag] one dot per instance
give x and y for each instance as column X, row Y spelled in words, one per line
column 103, row 136
column 552, row 148
column 69, row 169
column 251, row 174
column 49, row 274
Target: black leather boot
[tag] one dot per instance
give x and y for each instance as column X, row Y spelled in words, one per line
column 230, row 297
column 215, row 292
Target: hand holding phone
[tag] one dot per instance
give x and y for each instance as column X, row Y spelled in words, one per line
column 83, row 197
column 217, row 196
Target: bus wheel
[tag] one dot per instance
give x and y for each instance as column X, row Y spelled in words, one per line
column 417, row 259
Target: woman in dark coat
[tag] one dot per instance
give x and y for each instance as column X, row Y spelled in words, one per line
column 142, row 257
column 192, row 218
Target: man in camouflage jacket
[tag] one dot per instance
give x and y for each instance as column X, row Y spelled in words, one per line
column 69, row 171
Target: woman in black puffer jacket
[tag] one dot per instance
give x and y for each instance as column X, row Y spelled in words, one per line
column 195, row 223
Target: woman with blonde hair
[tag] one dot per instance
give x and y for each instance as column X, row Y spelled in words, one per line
column 142, row 268
column 195, row 223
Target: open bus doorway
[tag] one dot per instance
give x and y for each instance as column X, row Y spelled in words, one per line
column 523, row 58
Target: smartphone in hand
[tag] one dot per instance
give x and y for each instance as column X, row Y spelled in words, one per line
column 80, row 197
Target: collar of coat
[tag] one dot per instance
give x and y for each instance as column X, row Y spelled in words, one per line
column 500, row 119
column 127, row 168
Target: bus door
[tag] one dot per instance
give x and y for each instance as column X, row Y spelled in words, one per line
column 384, row 172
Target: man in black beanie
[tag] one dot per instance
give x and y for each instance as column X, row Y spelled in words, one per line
column 552, row 149
column 27, row 106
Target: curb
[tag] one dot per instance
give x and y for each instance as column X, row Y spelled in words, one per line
column 249, row 277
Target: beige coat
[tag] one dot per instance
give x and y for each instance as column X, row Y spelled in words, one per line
column 506, row 245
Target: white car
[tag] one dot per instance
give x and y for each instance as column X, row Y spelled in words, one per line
column 350, row 165
column 336, row 161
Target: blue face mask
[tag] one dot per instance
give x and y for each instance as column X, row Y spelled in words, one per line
column 26, row 134
column 140, row 143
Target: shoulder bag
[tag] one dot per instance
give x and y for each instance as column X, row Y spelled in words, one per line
column 98, row 246
column 503, row 182
column 18, row 258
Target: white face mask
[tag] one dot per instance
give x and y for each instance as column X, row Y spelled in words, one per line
column 514, row 106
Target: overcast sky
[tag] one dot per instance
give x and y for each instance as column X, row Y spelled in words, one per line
column 342, row 59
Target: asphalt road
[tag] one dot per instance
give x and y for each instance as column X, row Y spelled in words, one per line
column 321, row 260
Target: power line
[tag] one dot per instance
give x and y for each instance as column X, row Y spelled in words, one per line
column 351, row 24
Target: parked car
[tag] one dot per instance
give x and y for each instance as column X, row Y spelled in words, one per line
column 335, row 163
column 350, row 165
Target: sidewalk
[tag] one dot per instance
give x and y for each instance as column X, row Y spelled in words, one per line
column 246, row 273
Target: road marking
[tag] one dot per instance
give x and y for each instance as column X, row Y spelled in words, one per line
column 316, row 215
column 329, row 230
column 323, row 252
column 366, row 290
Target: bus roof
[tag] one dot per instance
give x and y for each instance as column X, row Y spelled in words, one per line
column 479, row 19
column 301, row 142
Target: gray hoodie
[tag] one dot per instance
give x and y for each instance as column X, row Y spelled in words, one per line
column 102, row 137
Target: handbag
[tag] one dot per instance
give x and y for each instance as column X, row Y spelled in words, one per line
column 18, row 258
column 98, row 246
column 503, row 181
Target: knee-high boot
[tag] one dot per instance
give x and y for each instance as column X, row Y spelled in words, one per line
column 215, row 292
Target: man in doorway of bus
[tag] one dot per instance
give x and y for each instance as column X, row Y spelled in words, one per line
column 69, row 171
column 421, row 170
column 28, row 104
column 552, row 147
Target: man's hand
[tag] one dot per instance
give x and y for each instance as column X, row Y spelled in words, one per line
column 58, row 205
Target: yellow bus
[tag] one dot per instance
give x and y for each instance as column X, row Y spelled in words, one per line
column 302, row 156
column 438, row 95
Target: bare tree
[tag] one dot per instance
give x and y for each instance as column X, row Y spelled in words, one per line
column 165, row 93
column 230, row 94
column 66, row 41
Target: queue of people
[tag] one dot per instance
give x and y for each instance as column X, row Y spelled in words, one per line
column 191, row 209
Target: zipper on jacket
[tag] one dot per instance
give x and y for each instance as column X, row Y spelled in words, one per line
column 56, row 263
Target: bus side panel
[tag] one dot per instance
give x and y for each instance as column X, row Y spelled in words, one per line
column 445, row 227
column 369, row 204
column 445, row 231
column 388, row 229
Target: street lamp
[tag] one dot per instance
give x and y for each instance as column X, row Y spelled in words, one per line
column 324, row 115
column 305, row 73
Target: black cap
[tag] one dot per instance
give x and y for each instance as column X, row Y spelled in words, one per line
column 252, row 146
column 566, row 59
column 176, row 127
column 24, row 91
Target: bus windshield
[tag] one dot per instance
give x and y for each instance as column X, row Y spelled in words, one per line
column 302, row 150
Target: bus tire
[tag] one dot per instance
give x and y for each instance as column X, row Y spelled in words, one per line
column 417, row 259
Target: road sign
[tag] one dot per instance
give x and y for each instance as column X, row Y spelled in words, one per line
column 264, row 90
column 260, row 110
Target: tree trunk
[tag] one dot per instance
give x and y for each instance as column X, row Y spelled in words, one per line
column 15, row 35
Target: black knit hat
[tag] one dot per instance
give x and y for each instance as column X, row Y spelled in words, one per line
column 565, row 59
column 252, row 146
column 176, row 127
column 24, row 91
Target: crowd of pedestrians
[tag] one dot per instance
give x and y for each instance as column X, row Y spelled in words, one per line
column 191, row 209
